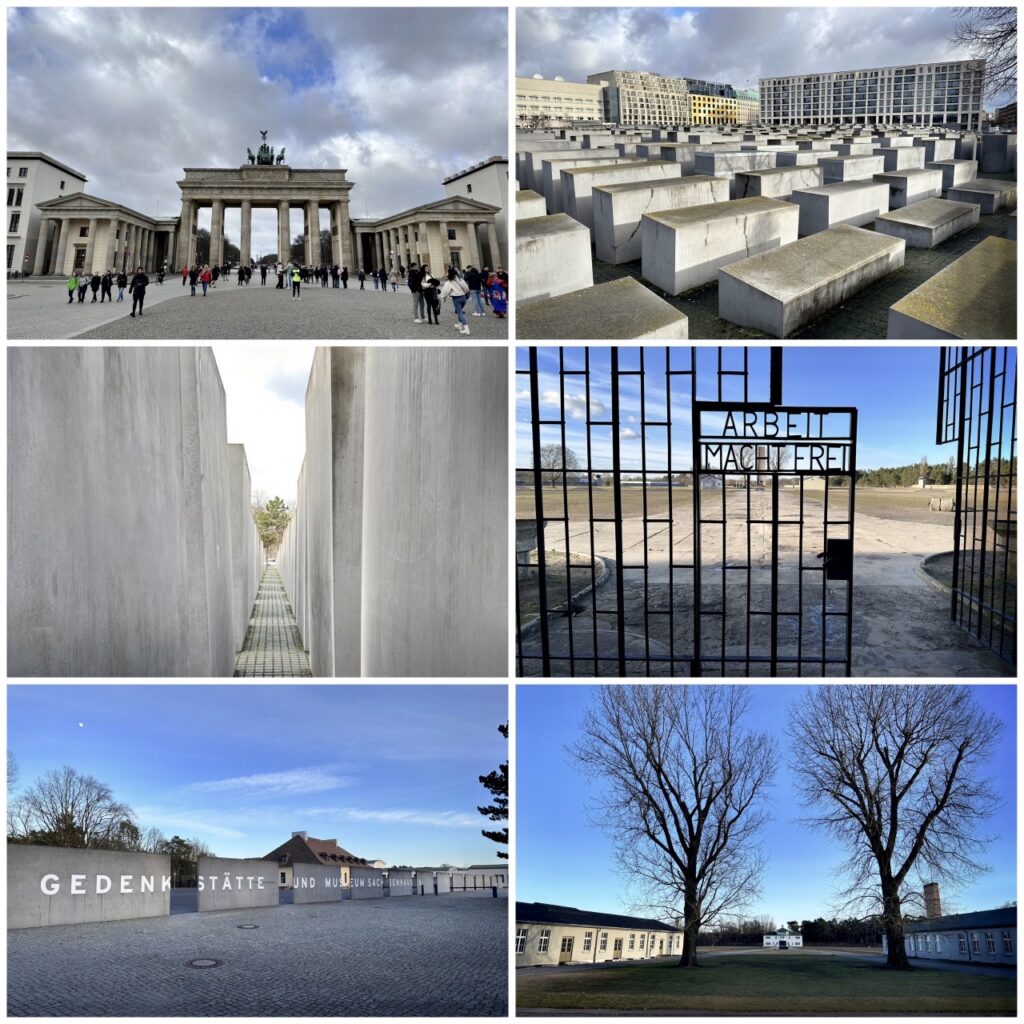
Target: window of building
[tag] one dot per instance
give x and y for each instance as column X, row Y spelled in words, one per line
column 632, row 940
column 975, row 943
column 545, row 938
column 642, row 937
column 566, row 943
column 603, row 944
column 83, row 232
column 62, row 184
column 928, row 943
column 14, row 196
column 990, row 943
column 451, row 234
column 521, row 934
column 15, row 221
column 10, row 256
column 588, row 941
column 938, row 943
column 22, row 172
column 469, row 188
column 1007, row 944
column 284, row 878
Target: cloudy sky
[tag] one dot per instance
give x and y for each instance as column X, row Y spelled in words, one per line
column 389, row 771
column 730, row 44
column 265, row 393
column 399, row 97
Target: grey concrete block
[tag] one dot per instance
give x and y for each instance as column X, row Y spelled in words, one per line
column 973, row 299
column 928, row 223
column 843, row 202
column 228, row 883
column 989, row 193
column 911, row 186
column 784, row 289
column 316, row 883
column 552, row 257
column 367, row 883
column 530, row 204
column 955, row 172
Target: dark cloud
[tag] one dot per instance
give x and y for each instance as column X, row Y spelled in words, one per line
column 730, row 44
column 400, row 97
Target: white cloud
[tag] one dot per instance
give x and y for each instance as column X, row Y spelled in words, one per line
column 295, row 781
column 575, row 404
column 628, row 432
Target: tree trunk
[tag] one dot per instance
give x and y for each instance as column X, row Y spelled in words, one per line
column 892, row 917
column 691, row 927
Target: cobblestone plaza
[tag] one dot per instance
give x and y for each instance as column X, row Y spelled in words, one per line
column 424, row 956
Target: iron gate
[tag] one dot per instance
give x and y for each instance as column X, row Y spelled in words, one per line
column 609, row 475
column 977, row 411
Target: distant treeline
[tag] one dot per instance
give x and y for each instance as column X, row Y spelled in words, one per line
column 819, row 932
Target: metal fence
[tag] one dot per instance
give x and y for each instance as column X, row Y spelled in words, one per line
column 977, row 402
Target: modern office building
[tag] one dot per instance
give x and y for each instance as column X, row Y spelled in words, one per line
column 748, row 106
column 557, row 100
column 33, row 178
column 642, row 97
column 713, row 109
column 945, row 93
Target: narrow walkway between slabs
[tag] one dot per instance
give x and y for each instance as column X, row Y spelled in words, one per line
column 272, row 645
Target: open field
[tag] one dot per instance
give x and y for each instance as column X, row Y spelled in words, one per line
column 804, row 983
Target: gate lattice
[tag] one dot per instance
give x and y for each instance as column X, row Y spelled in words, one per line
column 764, row 534
column 977, row 411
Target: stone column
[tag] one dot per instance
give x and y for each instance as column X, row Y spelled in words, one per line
column 449, row 618
column 170, row 252
column 144, row 248
column 312, row 233
column 357, row 256
column 434, row 247
column 423, row 245
column 245, row 242
column 60, row 256
column 474, row 247
column 336, row 232
column 217, row 233
column 44, row 237
column 90, row 246
column 394, row 255
column 446, row 249
column 110, row 262
column 492, row 241
column 183, row 256
column 193, row 235
column 284, row 237
column 344, row 232
column 382, row 260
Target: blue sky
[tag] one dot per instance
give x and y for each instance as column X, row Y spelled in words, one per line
column 391, row 772
column 894, row 390
column 562, row 858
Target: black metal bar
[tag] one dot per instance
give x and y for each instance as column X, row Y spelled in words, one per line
column 775, row 574
column 538, row 482
column 620, row 597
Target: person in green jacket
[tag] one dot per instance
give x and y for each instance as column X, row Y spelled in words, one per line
column 72, row 287
column 296, row 283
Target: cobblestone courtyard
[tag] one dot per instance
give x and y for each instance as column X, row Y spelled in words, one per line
column 40, row 310
column 411, row 956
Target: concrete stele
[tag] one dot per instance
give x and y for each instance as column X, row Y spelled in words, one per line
column 955, row 172
column 619, row 310
column 928, row 223
column 578, row 183
column 973, row 299
column 776, row 183
column 530, row 204
column 683, row 249
column 911, row 186
column 552, row 257
column 842, row 202
column 782, row 290
column 617, row 209
column 989, row 193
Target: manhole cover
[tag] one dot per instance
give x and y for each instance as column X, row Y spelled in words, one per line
column 247, row 927
column 204, row 962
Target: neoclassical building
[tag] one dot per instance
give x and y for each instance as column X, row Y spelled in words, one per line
column 85, row 232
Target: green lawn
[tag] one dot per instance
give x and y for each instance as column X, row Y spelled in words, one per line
column 776, row 983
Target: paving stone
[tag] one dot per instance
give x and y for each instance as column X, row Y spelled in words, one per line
column 38, row 309
column 422, row 956
column 272, row 644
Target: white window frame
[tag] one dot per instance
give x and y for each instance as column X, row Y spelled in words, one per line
column 1007, row 943
column 990, row 943
column 522, row 934
column 962, row 941
column 588, row 941
column 543, row 940
column 632, row 940
column 602, row 943
column 975, row 943
column 643, row 938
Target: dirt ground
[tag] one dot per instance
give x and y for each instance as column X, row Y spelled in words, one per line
column 900, row 618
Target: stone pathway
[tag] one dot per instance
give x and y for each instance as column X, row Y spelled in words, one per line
column 272, row 646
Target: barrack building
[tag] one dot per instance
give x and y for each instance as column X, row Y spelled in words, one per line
column 942, row 93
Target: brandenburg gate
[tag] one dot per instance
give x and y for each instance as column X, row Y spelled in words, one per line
column 266, row 182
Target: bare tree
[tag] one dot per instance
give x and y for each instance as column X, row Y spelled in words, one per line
column 12, row 771
column 682, row 781
column 64, row 808
column 555, row 457
column 153, row 841
column 779, row 456
column 896, row 771
column 990, row 34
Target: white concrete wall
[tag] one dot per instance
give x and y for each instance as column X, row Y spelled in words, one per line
column 246, row 549
column 316, row 883
column 227, row 883
column 48, row 885
column 119, row 542
column 395, row 562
